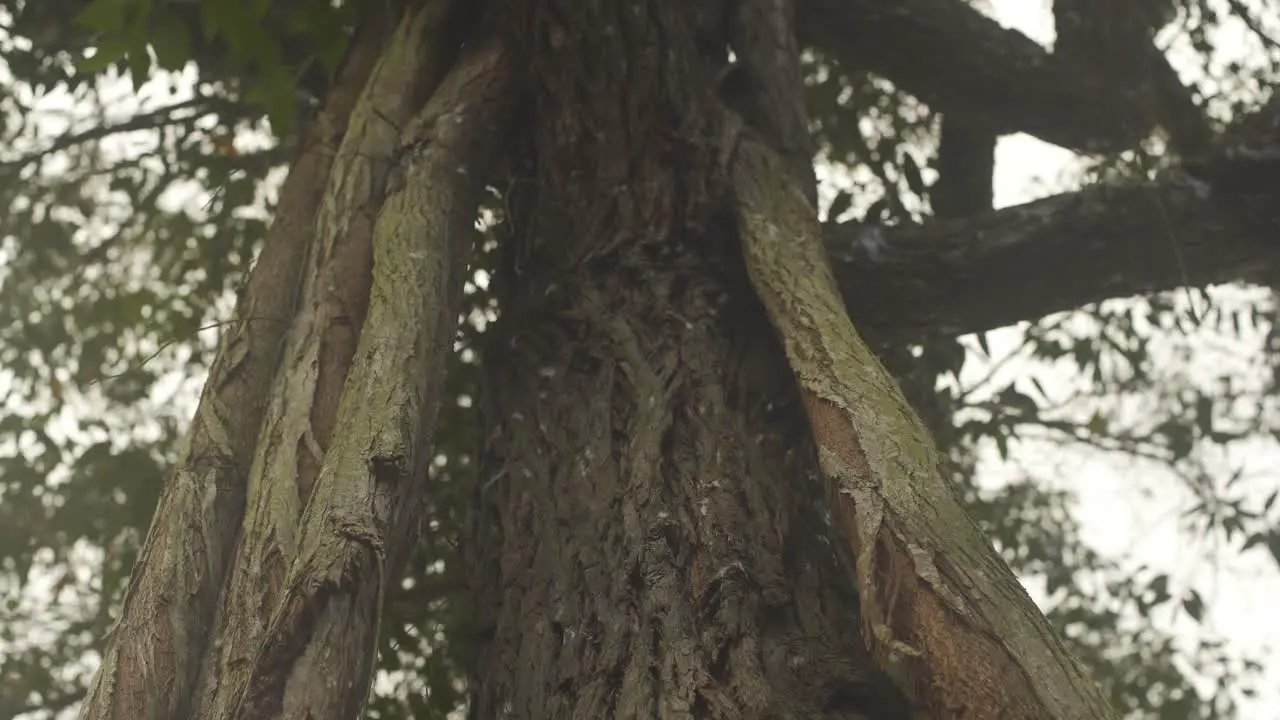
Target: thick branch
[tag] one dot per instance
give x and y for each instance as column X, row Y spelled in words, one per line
column 318, row 351
column 150, row 662
column 370, row 494
column 941, row 613
column 957, row 59
column 1060, row 253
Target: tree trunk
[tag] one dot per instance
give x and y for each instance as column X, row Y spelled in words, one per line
column 655, row 532
column 651, row 538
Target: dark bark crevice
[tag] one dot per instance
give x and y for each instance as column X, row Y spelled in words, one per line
column 652, row 533
column 152, row 661
column 649, row 537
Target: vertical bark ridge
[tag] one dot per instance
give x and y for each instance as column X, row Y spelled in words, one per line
column 651, row 538
column 316, row 659
column 941, row 612
column 152, row 657
column 320, row 346
column 643, row 544
column 624, row 156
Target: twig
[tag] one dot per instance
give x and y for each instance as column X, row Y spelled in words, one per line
column 137, row 122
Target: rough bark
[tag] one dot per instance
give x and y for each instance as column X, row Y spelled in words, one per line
column 763, row 37
column 1112, row 46
column 651, row 535
column 941, row 612
column 316, row 657
column 152, row 656
column 649, row 540
column 348, row 435
column 966, row 168
column 319, row 350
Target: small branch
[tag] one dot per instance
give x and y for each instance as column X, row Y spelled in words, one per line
column 142, row 121
column 1252, row 23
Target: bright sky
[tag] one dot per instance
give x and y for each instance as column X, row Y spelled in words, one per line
column 1128, row 512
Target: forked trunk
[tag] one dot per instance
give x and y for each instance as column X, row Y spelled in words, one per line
column 677, row 513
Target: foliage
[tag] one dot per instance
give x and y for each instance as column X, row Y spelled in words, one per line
column 131, row 217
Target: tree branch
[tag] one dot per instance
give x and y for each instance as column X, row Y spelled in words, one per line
column 201, row 105
column 1060, row 253
column 957, row 59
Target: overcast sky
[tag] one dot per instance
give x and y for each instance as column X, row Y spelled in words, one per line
column 1129, row 511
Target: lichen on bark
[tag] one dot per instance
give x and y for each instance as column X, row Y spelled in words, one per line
column 941, row 612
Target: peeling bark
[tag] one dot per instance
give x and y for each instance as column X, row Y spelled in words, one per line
column 319, row 350
column 653, row 535
column 941, row 612
column 152, row 656
column 649, row 537
column 389, row 241
column 922, row 566
column 316, row 659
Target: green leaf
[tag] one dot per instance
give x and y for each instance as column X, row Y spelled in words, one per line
column 1019, row 402
column 107, row 16
column 911, row 173
column 839, row 204
column 1098, row 424
column 139, row 67
column 1204, row 414
column 1160, row 587
column 1002, row 445
column 170, row 42
column 211, row 19
column 330, row 54
column 275, row 94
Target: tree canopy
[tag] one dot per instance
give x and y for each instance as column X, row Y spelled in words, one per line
column 139, row 157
